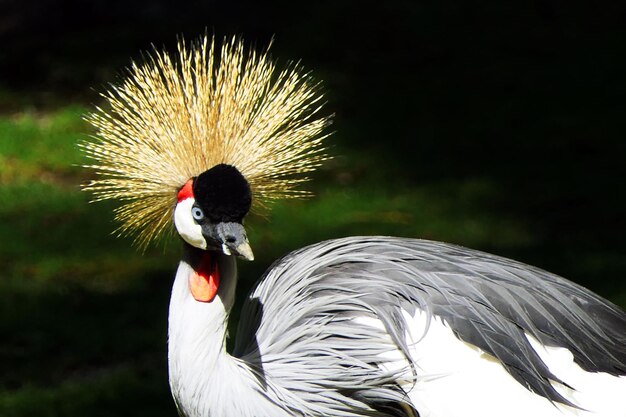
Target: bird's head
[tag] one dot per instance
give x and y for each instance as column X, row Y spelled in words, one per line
column 210, row 211
column 202, row 136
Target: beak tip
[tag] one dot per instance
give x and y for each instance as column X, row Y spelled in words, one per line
column 245, row 252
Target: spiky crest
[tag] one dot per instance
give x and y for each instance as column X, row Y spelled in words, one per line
column 173, row 118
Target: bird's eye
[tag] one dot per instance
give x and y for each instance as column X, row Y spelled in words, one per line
column 197, row 213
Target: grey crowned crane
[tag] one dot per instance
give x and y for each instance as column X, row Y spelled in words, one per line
column 359, row 326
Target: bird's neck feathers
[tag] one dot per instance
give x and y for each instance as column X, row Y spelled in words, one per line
column 197, row 330
column 206, row 380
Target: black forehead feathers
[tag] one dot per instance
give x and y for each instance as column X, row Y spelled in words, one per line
column 223, row 194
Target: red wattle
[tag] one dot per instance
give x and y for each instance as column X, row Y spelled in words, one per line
column 204, row 281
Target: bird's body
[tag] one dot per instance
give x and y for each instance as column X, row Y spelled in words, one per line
column 358, row 326
column 362, row 326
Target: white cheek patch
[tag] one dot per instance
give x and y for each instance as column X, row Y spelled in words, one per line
column 187, row 228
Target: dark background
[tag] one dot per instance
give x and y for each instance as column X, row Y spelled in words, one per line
column 494, row 124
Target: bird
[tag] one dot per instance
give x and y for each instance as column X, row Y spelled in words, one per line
column 190, row 142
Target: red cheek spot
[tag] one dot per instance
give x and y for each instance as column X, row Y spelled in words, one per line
column 186, row 192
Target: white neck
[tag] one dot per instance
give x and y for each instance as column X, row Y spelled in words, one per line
column 197, row 332
column 205, row 380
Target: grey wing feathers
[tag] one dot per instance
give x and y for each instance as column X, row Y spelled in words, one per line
column 301, row 315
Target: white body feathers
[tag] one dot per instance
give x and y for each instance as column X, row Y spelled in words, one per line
column 454, row 374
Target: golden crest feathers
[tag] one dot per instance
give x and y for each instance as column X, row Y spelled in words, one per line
column 173, row 118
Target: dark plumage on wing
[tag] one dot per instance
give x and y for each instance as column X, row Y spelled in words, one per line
column 488, row 301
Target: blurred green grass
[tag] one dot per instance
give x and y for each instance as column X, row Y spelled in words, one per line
column 76, row 304
column 83, row 314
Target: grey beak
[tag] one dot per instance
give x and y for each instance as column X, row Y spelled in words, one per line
column 234, row 240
